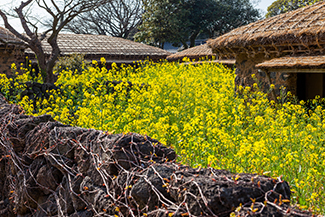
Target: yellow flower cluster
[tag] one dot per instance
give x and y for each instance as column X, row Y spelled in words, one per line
column 194, row 109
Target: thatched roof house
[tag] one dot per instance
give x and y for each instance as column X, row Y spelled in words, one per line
column 193, row 53
column 113, row 49
column 11, row 50
column 285, row 50
column 197, row 53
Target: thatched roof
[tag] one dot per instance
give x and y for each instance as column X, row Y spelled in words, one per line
column 298, row 62
column 197, row 52
column 9, row 39
column 229, row 63
column 96, row 46
column 303, row 26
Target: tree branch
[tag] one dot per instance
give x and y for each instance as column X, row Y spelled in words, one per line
column 19, row 11
column 12, row 29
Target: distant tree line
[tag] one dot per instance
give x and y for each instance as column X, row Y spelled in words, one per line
column 155, row 22
column 179, row 21
column 118, row 18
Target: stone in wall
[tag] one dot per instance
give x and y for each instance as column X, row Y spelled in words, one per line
column 246, row 67
column 7, row 57
column 287, row 80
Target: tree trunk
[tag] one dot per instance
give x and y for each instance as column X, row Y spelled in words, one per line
column 50, row 78
column 161, row 45
column 36, row 45
column 193, row 37
column 184, row 44
column 46, row 67
column 211, row 34
column 52, row 40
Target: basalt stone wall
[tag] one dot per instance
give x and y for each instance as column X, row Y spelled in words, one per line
column 245, row 67
column 51, row 169
column 9, row 56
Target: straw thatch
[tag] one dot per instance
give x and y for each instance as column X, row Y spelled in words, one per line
column 304, row 26
column 197, row 52
column 96, row 46
column 229, row 63
column 299, row 62
column 9, row 39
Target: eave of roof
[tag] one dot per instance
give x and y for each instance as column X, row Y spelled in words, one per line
column 229, row 62
column 295, row 62
column 9, row 39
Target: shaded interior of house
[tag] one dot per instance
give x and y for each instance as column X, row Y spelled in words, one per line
column 309, row 85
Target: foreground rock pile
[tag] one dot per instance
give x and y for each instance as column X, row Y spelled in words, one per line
column 51, row 169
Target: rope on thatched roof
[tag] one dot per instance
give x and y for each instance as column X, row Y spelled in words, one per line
column 307, row 15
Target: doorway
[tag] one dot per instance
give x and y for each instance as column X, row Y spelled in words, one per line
column 310, row 85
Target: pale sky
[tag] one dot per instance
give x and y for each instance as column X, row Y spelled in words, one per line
column 263, row 5
column 10, row 4
column 7, row 4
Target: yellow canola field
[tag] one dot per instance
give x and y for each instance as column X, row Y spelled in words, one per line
column 195, row 110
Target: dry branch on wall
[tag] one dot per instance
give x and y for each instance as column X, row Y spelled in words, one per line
column 51, row 169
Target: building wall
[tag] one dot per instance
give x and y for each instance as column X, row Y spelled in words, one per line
column 245, row 67
column 7, row 57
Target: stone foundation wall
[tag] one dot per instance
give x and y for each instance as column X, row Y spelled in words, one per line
column 7, row 57
column 245, row 67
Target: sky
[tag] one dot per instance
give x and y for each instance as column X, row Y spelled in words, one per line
column 263, row 5
column 7, row 4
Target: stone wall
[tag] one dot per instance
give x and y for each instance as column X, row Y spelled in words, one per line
column 9, row 56
column 51, row 169
column 245, row 67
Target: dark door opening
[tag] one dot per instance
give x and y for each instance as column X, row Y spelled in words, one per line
column 310, row 85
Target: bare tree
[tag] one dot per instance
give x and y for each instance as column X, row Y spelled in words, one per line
column 117, row 18
column 61, row 12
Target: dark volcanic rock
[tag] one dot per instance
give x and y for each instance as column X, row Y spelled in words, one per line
column 51, row 169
